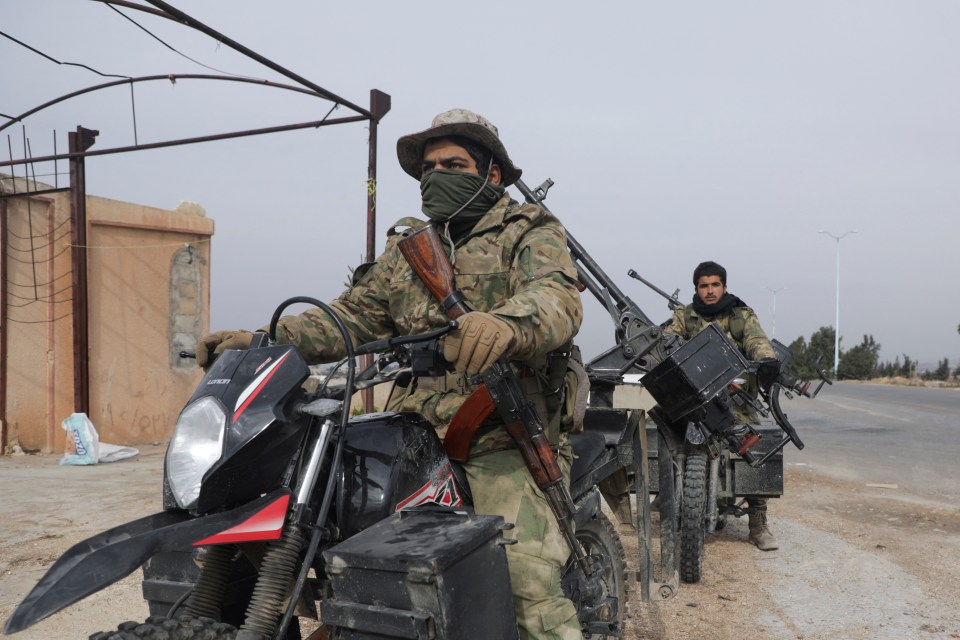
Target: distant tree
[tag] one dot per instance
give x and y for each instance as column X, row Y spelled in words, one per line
column 860, row 362
column 942, row 372
column 805, row 355
column 895, row 368
column 821, row 346
column 798, row 365
column 909, row 367
column 889, row 369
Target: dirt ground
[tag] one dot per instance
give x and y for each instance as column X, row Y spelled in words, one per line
column 855, row 562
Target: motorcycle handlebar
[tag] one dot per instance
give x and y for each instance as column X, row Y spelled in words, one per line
column 379, row 346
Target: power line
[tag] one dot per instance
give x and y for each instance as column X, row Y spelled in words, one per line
column 29, row 302
column 36, row 247
column 55, row 293
column 15, row 321
column 55, row 229
column 50, row 259
column 181, row 243
column 168, row 46
column 38, row 284
column 52, row 59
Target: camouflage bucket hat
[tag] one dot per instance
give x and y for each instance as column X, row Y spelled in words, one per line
column 457, row 122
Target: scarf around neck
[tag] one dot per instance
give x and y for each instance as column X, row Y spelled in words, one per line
column 727, row 302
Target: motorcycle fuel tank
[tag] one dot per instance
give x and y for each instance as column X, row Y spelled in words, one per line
column 392, row 461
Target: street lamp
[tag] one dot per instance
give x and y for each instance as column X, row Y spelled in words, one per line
column 774, row 291
column 836, row 328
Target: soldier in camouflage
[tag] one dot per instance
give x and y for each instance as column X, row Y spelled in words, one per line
column 712, row 303
column 513, row 268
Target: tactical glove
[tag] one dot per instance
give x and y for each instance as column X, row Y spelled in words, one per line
column 214, row 344
column 480, row 339
column 768, row 371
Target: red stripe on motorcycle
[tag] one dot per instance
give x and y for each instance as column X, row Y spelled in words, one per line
column 266, row 524
column 248, row 395
column 441, row 490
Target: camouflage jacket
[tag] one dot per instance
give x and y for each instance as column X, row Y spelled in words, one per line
column 515, row 264
column 740, row 324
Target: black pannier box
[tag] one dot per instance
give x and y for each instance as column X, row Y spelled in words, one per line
column 695, row 372
column 737, row 478
column 434, row 573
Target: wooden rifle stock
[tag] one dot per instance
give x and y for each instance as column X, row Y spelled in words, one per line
column 425, row 255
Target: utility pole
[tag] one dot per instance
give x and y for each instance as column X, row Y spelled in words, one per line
column 774, row 292
column 836, row 327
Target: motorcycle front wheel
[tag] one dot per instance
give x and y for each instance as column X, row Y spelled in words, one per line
column 599, row 538
column 692, row 511
column 183, row 626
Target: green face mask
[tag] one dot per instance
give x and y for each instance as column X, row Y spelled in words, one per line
column 454, row 193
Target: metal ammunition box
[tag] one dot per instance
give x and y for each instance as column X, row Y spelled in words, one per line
column 695, row 373
column 421, row 574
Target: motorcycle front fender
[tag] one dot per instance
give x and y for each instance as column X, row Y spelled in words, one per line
column 97, row 562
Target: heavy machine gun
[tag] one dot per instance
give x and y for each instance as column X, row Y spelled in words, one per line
column 643, row 348
column 641, row 345
column 696, row 383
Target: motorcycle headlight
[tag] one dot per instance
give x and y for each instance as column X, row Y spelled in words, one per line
column 196, row 445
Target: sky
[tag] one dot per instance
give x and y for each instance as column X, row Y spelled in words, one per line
column 674, row 133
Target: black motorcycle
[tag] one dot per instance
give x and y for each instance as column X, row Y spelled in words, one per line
column 275, row 499
column 717, row 460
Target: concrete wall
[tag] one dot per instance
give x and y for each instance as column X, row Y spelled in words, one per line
column 148, row 282
column 632, row 396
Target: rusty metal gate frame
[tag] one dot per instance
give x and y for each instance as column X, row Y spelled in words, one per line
column 82, row 139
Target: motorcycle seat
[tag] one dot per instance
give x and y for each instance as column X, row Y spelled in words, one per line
column 587, row 447
column 610, row 423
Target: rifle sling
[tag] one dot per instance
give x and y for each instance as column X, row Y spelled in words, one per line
column 465, row 423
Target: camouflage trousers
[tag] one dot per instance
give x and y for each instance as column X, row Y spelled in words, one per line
column 502, row 485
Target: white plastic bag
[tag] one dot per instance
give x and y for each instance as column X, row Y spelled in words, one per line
column 115, row 452
column 83, row 442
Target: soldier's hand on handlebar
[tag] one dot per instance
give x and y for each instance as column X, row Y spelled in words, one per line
column 479, row 341
column 768, row 372
column 213, row 345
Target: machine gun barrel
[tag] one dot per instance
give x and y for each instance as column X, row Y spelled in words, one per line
column 622, row 302
column 672, row 301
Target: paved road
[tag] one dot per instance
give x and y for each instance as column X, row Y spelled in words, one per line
column 884, row 434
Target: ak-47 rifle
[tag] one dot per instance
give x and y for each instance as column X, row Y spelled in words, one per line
column 500, row 388
column 672, row 302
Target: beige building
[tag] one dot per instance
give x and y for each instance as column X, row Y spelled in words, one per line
column 148, row 298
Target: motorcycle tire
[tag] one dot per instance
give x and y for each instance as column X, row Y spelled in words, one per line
column 599, row 537
column 183, row 627
column 692, row 511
